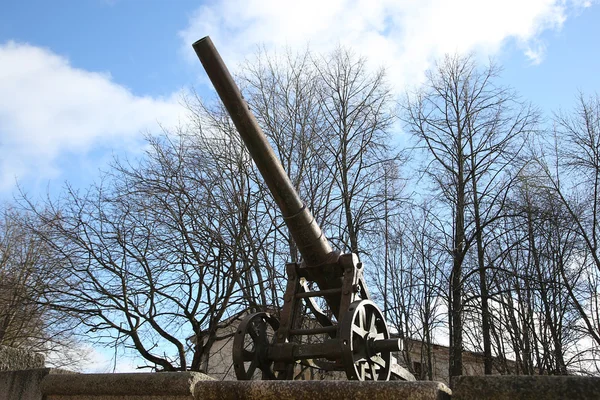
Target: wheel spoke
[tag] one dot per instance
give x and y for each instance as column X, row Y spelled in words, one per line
column 371, row 323
column 359, row 331
column 252, row 331
column 359, row 357
column 378, row 360
column 362, row 318
column 373, row 369
column 252, row 368
column 262, row 333
column 362, row 372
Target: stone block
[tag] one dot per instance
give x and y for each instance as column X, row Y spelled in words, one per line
column 525, row 387
column 24, row 384
column 131, row 386
column 197, row 386
column 329, row 390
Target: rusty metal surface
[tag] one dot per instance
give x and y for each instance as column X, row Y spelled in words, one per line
column 386, row 345
column 364, row 356
column 364, row 325
column 289, row 313
column 251, row 346
column 309, row 238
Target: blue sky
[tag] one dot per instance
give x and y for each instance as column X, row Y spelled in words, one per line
column 136, row 41
column 81, row 81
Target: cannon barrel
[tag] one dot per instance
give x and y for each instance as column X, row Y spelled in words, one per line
column 310, row 240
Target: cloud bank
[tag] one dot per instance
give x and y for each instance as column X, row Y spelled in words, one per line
column 404, row 36
column 49, row 109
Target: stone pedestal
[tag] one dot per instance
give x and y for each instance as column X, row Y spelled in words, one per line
column 196, row 386
column 327, row 390
column 25, row 384
column 150, row 386
column 493, row 387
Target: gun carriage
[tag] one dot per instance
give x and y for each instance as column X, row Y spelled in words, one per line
column 357, row 336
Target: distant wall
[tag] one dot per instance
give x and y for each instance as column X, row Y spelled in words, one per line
column 12, row 359
column 473, row 363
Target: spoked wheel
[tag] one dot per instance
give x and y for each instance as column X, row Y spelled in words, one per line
column 362, row 325
column 251, row 345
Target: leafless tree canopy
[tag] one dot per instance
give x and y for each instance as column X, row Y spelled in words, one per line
column 483, row 236
column 27, row 269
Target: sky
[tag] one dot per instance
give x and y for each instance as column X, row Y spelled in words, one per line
column 83, row 81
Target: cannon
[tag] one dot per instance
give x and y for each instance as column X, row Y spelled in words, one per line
column 357, row 336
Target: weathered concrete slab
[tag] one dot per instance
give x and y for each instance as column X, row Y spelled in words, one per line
column 197, row 386
column 525, row 388
column 329, row 390
column 25, row 384
column 151, row 386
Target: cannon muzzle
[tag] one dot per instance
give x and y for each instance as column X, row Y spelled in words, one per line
column 309, row 239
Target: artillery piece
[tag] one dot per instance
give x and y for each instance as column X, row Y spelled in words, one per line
column 358, row 339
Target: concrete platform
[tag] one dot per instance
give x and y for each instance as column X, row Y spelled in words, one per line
column 151, row 386
column 197, row 386
column 513, row 387
column 25, row 384
column 328, row 390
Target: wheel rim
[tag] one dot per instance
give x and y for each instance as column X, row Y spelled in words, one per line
column 251, row 345
column 362, row 325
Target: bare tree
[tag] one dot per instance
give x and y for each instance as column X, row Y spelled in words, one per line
column 357, row 116
column 572, row 170
column 472, row 130
column 539, row 314
column 415, row 292
column 160, row 255
column 26, row 271
column 282, row 91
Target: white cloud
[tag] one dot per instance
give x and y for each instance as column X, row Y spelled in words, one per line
column 48, row 109
column 405, row 36
column 535, row 52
